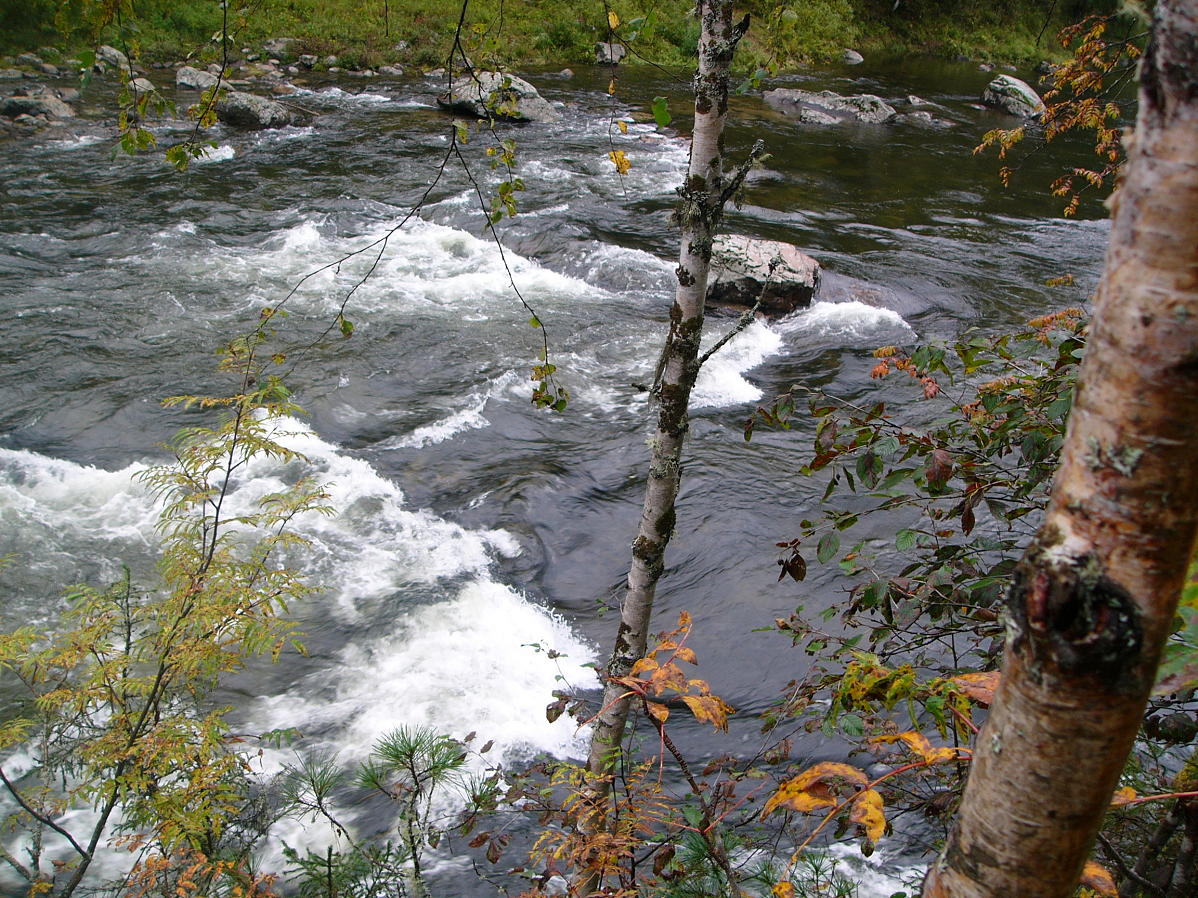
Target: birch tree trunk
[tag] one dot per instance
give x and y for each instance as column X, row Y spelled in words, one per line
column 704, row 194
column 1094, row 597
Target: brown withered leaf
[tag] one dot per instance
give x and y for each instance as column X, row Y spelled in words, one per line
column 979, row 686
column 687, row 655
column 816, row 787
column 710, row 709
column 1098, row 878
column 867, row 813
column 940, row 467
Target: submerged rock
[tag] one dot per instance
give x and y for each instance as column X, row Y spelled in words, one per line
column 495, row 94
column 741, row 270
column 1013, row 97
column 826, row 108
column 250, row 111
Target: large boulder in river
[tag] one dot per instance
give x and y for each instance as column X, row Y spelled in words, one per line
column 193, row 79
column 1013, row 97
column 742, row 268
column 826, row 108
column 43, row 104
column 250, row 111
column 497, row 95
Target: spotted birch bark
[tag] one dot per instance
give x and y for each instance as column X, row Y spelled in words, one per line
column 707, row 188
column 1093, row 599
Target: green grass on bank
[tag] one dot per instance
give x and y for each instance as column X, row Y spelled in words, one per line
column 553, row 32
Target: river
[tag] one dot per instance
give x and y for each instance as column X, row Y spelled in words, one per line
column 472, row 531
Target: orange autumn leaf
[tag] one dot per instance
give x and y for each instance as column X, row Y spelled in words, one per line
column 920, row 747
column 867, row 813
column 783, row 890
column 978, row 686
column 688, row 655
column 643, row 665
column 1123, row 796
column 710, row 709
column 1098, row 878
column 815, row 787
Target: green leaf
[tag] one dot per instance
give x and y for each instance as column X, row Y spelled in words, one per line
column 661, row 112
column 905, row 540
column 829, row 545
column 347, row 326
column 534, row 321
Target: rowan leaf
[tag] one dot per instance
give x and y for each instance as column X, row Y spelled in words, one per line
column 783, row 890
column 623, row 126
column 710, row 709
column 978, row 686
column 1098, row 878
column 613, row 20
column 868, row 814
column 643, row 665
column 815, row 787
column 621, row 162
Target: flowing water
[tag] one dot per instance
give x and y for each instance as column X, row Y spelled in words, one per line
column 473, row 532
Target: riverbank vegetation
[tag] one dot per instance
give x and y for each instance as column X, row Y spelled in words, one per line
column 558, row 32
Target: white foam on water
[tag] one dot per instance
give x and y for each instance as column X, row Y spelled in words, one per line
column 222, row 153
column 476, row 662
column 51, row 508
column 77, row 142
column 721, row 379
column 868, row 874
column 848, row 323
column 337, row 95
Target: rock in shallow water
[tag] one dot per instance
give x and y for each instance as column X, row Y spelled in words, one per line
column 250, row 111
column 495, row 94
column 826, row 108
column 1013, row 97
column 741, row 271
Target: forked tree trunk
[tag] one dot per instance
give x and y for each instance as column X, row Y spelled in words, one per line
column 703, row 195
column 1094, row 597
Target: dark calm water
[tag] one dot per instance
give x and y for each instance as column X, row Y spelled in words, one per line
column 470, row 528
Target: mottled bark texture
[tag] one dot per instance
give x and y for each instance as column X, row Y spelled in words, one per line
column 703, row 196
column 1095, row 595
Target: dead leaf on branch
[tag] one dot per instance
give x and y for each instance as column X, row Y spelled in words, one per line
column 709, row 709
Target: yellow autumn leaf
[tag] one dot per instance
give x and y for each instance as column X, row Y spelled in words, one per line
column 867, row 813
column 643, row 665
column 1123, row 796
column 620, row 160
column 814, row 787
column 783, row 890
column 710, row 709
column 623, row 126
column 658, row 712
column 1098, row 878
column 688, row 655
column 612, row 19
column 611, row 87
column 920, row 747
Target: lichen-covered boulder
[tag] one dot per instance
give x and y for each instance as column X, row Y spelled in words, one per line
column 826, row 107
column 1013, row 97
column 743, row 267
column 246, row 110
column 497, row 95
